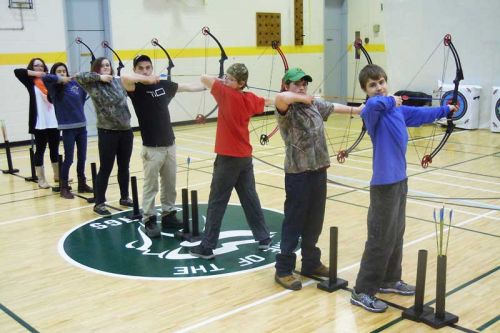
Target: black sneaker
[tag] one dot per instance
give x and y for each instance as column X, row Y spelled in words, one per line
column 202, row 252
column 398, row 287
column 169, row 220
column 151, row 227
column 368, row 302
column 265, row 244
column 101, row 210
column 127, row 202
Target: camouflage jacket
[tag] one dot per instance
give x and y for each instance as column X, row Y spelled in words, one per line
column 110, row 101
column 302, row 129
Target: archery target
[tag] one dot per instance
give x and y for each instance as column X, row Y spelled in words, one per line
column 467, row 115
column 495, row 110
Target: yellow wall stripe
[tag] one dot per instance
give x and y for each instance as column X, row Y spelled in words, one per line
column 24, row 58
column 51, row 57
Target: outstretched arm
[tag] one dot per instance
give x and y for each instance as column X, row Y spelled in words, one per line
column 208, row 80
column 341, row 108
column 191, row 87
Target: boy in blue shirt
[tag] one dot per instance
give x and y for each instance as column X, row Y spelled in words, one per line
column 386, row 121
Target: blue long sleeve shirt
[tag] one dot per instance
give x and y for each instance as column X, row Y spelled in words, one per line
column 68, row 100
column 386, row 124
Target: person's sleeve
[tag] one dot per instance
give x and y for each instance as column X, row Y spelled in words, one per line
column 325, row 108
column 22, row 75
column 416, row 116
column 50, row 80
column 170, row 87
column 217, row 90
column 259, row 104
column 87, row 78
column 374, row 108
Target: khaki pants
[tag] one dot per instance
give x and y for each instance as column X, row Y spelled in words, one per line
column 158, row 161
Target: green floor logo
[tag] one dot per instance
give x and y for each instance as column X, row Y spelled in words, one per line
column 117, row 245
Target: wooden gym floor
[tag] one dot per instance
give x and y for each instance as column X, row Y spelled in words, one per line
column 40, row 291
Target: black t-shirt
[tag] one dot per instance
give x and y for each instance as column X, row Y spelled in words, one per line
column 151, row 107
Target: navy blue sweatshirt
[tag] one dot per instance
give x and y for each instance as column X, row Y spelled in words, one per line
column 68, row 100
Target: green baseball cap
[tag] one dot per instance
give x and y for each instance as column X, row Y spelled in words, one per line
column 296, row 74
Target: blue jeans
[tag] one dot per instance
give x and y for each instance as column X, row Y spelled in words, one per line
column 70, row 137
column 304, row 214
column 229, row 173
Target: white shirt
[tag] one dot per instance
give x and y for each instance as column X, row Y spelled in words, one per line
column 46, row 116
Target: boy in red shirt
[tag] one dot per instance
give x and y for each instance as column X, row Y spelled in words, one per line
column 233, row 166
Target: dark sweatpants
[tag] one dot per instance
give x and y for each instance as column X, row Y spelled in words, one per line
column 381, row 261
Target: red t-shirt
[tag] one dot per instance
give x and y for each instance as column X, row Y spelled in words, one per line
column 235, row 109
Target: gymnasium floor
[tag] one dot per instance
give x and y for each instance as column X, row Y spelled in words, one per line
column 40, row 290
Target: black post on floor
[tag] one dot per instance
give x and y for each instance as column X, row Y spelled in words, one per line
column 136, row 213
column 418, row 310
column 33, row 177
column 10, row 169
column 184, row 234
column 333, row 283
column 57, row 188
column 194, row 215
column 441, row 318
column 93, row 171
column 185, row 211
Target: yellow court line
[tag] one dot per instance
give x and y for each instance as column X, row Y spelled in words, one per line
column 51, row 57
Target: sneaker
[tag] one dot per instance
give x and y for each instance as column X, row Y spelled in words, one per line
column 202, row 252
column 151, row 227
column 127, row 202
column 265, row 244
column 101, row 209
column 288, row 281
column 367, row 302
column 398, row 287
column 169, row 220
column 321, row 270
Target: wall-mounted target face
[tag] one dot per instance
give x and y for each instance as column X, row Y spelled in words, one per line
column 497, row 110
column 461, row 103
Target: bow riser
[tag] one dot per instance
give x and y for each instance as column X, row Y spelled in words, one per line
column 78, row 40
column 343, row 154
column 171, row 65
column 200, row 118
column 450, row 126
column 105, row 45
